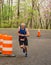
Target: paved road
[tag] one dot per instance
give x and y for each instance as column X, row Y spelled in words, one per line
column 39, row 49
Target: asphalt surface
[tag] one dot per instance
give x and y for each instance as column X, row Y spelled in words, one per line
column 39, row 49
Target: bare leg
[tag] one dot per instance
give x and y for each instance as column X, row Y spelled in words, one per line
column 26, row 48
column 25, row 51
column 21, row 46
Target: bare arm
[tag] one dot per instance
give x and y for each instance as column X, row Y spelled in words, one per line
column 18, row 31
column 28, row 34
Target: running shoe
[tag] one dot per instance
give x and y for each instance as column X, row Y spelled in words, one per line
column 26, row 55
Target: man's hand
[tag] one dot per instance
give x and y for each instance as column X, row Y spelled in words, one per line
column 22, row 35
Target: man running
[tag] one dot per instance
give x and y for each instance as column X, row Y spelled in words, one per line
column 23, row 33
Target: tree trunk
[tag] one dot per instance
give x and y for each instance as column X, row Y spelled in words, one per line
column 31, row 21
column 11, row 13
column 18, row 8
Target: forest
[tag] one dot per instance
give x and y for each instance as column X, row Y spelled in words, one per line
column 35, row 13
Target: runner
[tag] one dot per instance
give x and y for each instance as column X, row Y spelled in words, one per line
column 23, row 33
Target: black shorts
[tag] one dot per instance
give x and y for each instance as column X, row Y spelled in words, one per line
column 23, row 42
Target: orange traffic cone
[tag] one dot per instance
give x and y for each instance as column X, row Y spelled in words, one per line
column 39, row 33
column 1, row 42
column 7, row 45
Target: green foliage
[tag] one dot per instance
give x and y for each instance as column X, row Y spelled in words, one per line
column 27, row 13
column 7, row 12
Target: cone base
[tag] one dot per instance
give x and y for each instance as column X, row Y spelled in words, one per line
column 13, row 55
